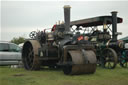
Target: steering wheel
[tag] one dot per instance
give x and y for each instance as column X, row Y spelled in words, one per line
column 33, row 34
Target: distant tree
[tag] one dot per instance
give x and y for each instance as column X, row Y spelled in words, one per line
column 18, row 40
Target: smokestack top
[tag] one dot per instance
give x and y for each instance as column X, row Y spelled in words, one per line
column 114, row 12
column 67, row 6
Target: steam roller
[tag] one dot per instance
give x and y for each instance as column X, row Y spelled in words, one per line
column 59, row 48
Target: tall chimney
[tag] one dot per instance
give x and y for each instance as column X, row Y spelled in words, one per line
column 67, row 17
column 114, row 25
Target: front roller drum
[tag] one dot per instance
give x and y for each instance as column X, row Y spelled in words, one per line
column 30, row 56
column 79, row 62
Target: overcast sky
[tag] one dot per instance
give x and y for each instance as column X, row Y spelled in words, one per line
column 19, row 18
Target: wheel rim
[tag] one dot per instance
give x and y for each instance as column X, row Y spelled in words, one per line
column 109, row 60
column 30, row 57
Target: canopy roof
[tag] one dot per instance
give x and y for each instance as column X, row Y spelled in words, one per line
column 96, row 21
column 125, row 38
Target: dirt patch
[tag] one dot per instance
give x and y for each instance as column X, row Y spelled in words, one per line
column 17, row 75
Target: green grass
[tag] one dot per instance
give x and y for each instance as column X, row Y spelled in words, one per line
column 19, row 76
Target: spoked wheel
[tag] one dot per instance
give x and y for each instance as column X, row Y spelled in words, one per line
column 29, row 55
column 33, row 34
column 109, row 58
column 124, row 59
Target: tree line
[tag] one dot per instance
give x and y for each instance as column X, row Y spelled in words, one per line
column 18, row 40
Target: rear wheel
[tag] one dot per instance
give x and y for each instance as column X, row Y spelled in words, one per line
column 109, row 58
column 30, row 55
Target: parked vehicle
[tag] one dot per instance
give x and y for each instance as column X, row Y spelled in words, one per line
column 10, row 53
column 59, row 48
column 21, row 45
column 103, row 34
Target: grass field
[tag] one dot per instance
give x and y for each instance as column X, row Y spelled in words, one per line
column 19, row 76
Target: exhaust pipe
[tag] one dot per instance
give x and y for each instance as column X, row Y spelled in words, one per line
column 114, row 25
column 67, row 17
